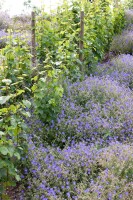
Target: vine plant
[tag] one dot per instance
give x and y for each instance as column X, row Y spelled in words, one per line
column 15, row 69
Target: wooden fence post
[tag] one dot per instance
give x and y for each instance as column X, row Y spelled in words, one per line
column 81, row 43
column 33, row 40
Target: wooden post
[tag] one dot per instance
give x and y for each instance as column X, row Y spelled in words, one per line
column 33, row 40
column 81, row 43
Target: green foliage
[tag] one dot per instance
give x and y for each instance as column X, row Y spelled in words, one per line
column 45, row 37
column 48, row 93
column 15, row 69
column 58, row 33
column 56, row 39
column 16, row 59
column 129, row 4
column 119, row 20
column 12, row 140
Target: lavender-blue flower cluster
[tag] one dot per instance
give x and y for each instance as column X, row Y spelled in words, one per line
column 95, row 110
column 3, row 38
column 119, row 68
column 129, row 16
column 115, row 180
column 5, row 21
column 123, row 43
column 80, row 172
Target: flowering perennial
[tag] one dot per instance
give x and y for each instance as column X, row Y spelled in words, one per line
column 80, row 172
column 123, row 43
column 119, row 68
column 95, row 110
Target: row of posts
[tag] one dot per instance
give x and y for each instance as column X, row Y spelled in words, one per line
column 81, row 43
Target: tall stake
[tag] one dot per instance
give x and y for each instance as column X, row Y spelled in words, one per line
column 81, row 43
column 33, row 40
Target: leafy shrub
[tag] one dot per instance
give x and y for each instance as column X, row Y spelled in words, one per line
column 57, row 42
column 80, row 172
column 57, row 175
column 97, row 34
column 123, row 43
column 15, row 69
column 16, row 59
column 119, row 68
column 59, row 33
column 119, row 18
column 45, row 36
column 48, row 94
column 12, row 136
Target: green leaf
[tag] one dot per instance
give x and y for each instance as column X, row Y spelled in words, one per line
column 11, row 150
column 17, row 83
column 29, row 90
column 1, row 121
column 42, row 80
column 34, row 87
column 13, row 121
column 58, row 63
column 21, row 78
column 13, row 108
column 2, row 164
column 26, row 114
column 4, row 150
column 19, row 92
column 27, row 103
column 3, row 110
column 7, row 81
column 4, row 99
column 35, row 78
column 16, row 154
column 2, row 133
column 17, row 177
